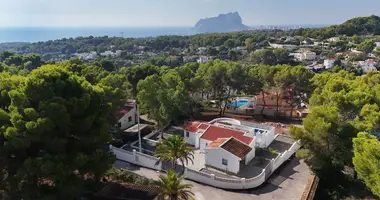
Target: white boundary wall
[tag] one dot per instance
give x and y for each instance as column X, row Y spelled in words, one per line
column 136, row 158
column 209, row 179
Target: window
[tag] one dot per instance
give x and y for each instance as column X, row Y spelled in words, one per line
column 119, row 124
column 129, row 118
column 224, row 161
column 187, row 134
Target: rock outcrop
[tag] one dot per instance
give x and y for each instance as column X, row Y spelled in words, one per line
column 222, row 23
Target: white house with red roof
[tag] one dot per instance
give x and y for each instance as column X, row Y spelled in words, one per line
column 368, row 66
column 127, row 115
column 228, row 144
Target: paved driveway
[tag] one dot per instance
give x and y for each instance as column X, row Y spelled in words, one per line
column 287, row 183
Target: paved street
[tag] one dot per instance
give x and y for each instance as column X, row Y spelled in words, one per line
column 287, row 183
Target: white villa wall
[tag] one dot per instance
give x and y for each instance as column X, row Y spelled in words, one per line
column 264, row 140
column 125, row 123
column 214, row 158
column 191, row 139
column 204, row 143
column 286, row 155
column 209, row 179
column 197, row 140
column 235, row 184
column 269, row 137
column 368, row 68
column 250, row 156
column 136, row 158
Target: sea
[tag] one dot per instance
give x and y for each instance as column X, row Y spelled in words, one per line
column 41, row 34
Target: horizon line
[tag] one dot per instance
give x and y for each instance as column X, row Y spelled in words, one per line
column 155, row 26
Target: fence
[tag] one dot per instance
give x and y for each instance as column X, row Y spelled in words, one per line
column 209, row 179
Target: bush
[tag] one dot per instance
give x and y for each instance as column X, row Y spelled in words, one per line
column 127, row 176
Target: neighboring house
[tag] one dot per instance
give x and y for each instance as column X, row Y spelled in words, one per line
column 377, row 44
column 349, row 54
column 283, row 46
column 229, row 144
column 305, row 56
column 111, row 54
column 128, row 115
column 329, row 63
column 371, row 55
column 204, row 59
column 202, row 50
column 86, row 56
column 368, row 66
column 189, row 59
column 333, row 39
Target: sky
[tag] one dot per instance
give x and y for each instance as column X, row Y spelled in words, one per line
column 143, row 13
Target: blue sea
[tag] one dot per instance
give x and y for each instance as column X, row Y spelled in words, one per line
column 37, row 34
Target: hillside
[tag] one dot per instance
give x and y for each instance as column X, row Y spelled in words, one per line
column 356, row 26
column 360, row 26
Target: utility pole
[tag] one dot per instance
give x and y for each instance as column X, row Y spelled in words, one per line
column 138, row 126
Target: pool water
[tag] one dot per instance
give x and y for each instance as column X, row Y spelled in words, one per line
column 239, row 103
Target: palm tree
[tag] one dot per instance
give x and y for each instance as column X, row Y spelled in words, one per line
column 174, row 148
column 170, row 187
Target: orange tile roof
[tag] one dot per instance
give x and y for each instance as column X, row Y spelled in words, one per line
column 236, row 147
column 192, row 126
column 203, row 126
column 216, row 143
column 215, row 132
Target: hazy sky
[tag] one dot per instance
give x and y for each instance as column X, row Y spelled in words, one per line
column 178, row 12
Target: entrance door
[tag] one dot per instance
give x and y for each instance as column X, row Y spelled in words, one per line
column 242, row 164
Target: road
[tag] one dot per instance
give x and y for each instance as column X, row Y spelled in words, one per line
column 287, row 183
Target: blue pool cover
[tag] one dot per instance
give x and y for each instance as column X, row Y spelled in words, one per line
column 239, row 103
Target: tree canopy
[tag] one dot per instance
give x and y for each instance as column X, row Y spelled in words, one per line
column 342, row 105
column 53, row 126
column 367, row 160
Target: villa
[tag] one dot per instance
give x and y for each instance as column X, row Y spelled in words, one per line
column 329, row 63
column 228, row 144
column 367, row 65
column 305, row 56
column 204, row 59
column 127, row 116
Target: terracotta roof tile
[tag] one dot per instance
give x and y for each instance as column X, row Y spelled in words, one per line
column 192, row 126
column 216, row 143
column 215, row 132
column 236, row 147
column 203, row 126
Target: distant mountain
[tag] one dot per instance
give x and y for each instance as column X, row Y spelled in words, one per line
column 222, row 23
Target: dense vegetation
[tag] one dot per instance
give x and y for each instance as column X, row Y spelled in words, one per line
column 77, row 101
column 53, row 127
column 342, row 105
column 54, row 124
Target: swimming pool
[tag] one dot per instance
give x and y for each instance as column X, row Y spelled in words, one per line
column 239, row 103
